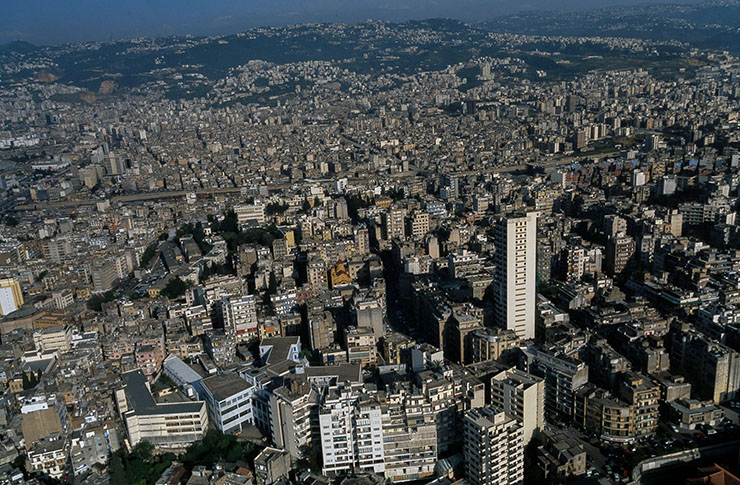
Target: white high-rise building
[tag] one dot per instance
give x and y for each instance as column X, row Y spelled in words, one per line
column 351, row 426
column 240, row 316
column 493, row 448
column 514, row 285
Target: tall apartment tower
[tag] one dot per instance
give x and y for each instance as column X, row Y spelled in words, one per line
column 522, row 396
column 514, row 284
column 493, row 448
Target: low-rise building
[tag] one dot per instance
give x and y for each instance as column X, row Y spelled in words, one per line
column 165, row 425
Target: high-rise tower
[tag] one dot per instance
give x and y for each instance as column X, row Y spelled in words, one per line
column 514, row 285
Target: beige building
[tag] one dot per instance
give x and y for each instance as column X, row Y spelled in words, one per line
column 419, row 224
column 57, row 337
column 491, row 343
column 11, row 296
column 644, row 397
column 493, row 448
column 165, row 425
column 521, row 396
column 361, row 344
column 514, row 286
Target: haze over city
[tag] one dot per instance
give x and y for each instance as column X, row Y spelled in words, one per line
column 55, row 22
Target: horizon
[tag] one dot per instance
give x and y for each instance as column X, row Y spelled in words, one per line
column 91, row 21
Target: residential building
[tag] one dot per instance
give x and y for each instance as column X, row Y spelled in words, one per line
column 521, row 396
column 493, row 447
column 514, row 290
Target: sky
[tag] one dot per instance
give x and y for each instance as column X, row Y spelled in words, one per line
column 47, row 22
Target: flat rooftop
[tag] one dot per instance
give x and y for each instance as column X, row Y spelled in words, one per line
column 224, row 386
column 142, row 402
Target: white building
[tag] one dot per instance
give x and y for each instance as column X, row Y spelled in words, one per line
column 493, row 448
column 11, row 296
column 229, row 401
column 514, row 285
column 240, row 316
column 49, row 457
column 56, row 337
column 351, row 427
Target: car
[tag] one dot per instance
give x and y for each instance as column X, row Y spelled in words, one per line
column 712, row 431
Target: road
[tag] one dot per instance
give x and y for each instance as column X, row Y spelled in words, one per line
column 126, row 198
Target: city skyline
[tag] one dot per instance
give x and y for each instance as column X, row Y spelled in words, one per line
column 425, row 252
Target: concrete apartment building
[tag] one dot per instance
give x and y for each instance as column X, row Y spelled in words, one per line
column 514, row 285
column 351, row 428
column 361, row 344
column 563, row 376
column 493, row 448
column 521, row 396
column 240, row 316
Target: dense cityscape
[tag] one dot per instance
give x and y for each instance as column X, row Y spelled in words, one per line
column 426, row 252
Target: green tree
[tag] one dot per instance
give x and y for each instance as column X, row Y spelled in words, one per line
column 26, row 382
column 149, row 253
column 143, row 451
column 175, row 288
column 275, row 208
column 117, row 472
column 305, row 206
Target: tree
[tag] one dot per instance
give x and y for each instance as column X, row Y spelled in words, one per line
column 305, row 206
column 275, row 208
column 144, row 451
column 149, row 253
column 216, row 446
column 206, row 272
column 95, row 302
column 117, row 472
column 230, row 222
column 26, row 382
column 175, row 288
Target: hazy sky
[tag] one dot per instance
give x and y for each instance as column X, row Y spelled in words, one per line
column 59, row 21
